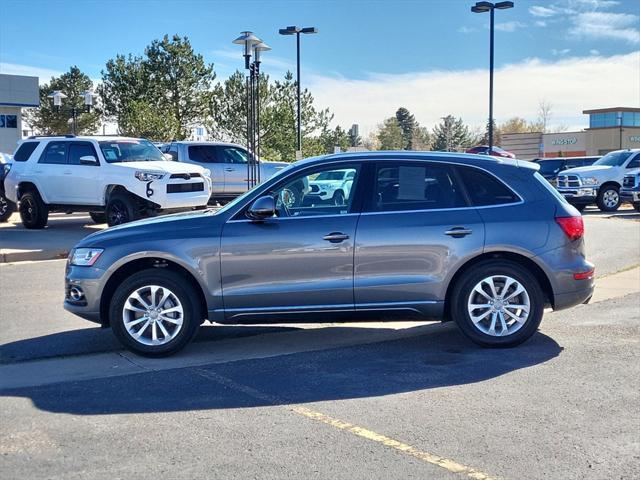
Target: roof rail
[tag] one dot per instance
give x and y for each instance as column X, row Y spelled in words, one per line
column 50, row 136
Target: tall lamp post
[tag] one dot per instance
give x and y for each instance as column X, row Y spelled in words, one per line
column 257, row 53
column 57, row 96
column 483, row 7
column 293, row 30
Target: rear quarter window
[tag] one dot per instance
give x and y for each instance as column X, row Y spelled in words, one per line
column 484, row 189
column 24, row 151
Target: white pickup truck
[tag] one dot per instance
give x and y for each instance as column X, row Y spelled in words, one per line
column 599, row 183
column 226, row 161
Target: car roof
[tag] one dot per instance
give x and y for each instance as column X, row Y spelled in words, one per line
column 195, row 142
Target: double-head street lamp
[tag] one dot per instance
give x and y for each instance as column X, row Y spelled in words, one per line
column 87, row 97
column 293, row 30
column 483, row 7
column 253, row 47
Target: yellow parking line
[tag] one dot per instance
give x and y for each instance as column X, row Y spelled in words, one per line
column 442, row 462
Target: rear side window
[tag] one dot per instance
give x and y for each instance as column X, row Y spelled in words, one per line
column 203, row 154
column 78, row 149
column 415, row 186
column 549, row 187
column 550, row 166
column 484, row 189
column 24, row 151
column 55, row 153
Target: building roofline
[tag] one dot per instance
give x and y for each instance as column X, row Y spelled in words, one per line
column 612, row 109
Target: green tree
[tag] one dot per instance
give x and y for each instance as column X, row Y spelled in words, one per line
column 451, row 134
column 337, row 137
column 47, row 120
column 497, row 137
column 390, row 135
column 408, row 125
column 170, row 81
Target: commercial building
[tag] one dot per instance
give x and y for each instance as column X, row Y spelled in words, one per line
column 16, row 92
column 609, row 129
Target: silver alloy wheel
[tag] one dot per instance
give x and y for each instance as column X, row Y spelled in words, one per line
column 498, row 305
column 153, row 315
column 610, row 198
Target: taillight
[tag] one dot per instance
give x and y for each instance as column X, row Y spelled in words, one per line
column 573, row 227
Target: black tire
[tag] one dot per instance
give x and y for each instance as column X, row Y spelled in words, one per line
column 7, row 207
column 463, row 290
column 177, row 284
column 637, row 206
column 605, row 195
column 33, row 211
column 98, row 217
column 338, row 198
column 120, row 209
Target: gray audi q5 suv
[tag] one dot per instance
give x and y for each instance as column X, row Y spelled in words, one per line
column 483, row 241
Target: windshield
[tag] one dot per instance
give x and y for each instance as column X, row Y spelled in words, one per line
column 614, row 159
column 331, row 175
column 116, row 151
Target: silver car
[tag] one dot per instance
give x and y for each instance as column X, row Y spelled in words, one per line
column 483, row 241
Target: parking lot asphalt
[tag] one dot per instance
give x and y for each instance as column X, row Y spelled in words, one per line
column 385, row 400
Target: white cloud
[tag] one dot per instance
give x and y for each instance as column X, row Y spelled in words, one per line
column 509, row 26
column 540, row 23
column 604, row 25
column 571, row 85
column 44, row 74
column 466, row 30
column 540, row 11
column 560, row 52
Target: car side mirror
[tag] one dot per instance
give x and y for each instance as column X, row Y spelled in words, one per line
column 262, row 208
column 88, row 160
column 167, row 156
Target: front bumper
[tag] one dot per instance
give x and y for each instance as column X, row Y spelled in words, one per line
column 631, row 196
column 88, row 282
column 579, row 195
column 167, row 194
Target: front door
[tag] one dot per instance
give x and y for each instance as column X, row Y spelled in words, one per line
column 415, row 227
column 207, row 156
column 83, row 181
column 300, row 260
column 235, row 169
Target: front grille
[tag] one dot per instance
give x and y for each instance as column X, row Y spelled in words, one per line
column 185, row 176
column 315, row 188
column 629, row 181
column 185, row 187
column 569, row 181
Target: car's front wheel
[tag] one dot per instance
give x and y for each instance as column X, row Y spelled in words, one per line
column 34, row 213
column 98, row 217
column 608, row 198
column 155, row 312
column 120, row 209
column 497, row 304
column 637, row 206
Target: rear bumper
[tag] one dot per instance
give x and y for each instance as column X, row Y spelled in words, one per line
column 567, row 300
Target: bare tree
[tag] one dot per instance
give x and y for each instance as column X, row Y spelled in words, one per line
column 544, row 114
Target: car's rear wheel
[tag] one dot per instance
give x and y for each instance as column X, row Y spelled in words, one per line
column 497, row 303
column 155, row 312
column 98, row 217
column 120, row 209
column 637, row 206
column 7, row 207
column 608, row 198
column 33, row 211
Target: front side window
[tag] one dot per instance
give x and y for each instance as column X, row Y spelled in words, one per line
column 55, row 154
column 484, row 189
column 203, row 154
column 78, row 150
column 233, row 155
column 24, row 151
column 314, row 193
column 134, row 150
column 415, row 186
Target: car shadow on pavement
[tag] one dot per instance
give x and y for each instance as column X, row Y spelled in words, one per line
column 441, row 357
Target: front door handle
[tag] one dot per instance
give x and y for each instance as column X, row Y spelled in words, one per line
column 336, row 237
column 67, row 172
column 229, row 169
column 458, row 232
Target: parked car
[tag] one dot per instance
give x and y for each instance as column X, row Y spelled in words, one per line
column 630, row 191
column 7, row 207
column 551, row 167
column 599, row 183
column 334, row 186
column 495, row 151
column 227, row 162
column 116, row 179
column 487, row 243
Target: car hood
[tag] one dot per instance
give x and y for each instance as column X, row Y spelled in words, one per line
column 161, row 166
column 178, row 225
column 591, row 169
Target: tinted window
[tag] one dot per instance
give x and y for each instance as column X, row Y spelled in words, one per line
column 11, row 121
column 55, row 153
column 203, row 153
column 24, row 151
column 614, row 159
column 484, row 189
column 415, row 186
column 550, row 166
column 77, row 150
column 233, row 155
column 635, row 163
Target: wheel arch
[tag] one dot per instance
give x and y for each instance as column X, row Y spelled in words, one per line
column 27, row 186
column 610, row 183
column 522, row 260
column 132, row 266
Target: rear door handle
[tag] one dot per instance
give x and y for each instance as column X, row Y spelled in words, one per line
column 229, row 169
column 458, row 232
column 335, row 237
column 67, row 172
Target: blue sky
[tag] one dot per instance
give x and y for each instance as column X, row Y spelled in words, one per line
column 363, row 43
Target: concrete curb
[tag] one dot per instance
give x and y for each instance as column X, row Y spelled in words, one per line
column 10, row 256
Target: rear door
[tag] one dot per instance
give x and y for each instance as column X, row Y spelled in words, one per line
column 417, row 225
column 54, row 173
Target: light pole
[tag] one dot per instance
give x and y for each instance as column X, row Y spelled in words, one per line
column 483, row 7
column 293, row 30
column 257, row 53
column 619, row 118
column 58, row 96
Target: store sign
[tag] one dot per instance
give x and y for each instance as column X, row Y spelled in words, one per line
column 565, row 141
column 634, row 138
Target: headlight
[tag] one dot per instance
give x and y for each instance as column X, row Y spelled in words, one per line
column 589, row 181
column 207, row 173
column 85, row 257
column 6, row 167
column 148, row 176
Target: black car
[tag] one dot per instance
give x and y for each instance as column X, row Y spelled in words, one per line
column 550, row 167
column 7, row 207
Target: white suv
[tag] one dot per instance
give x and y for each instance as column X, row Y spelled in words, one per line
column 116, row 179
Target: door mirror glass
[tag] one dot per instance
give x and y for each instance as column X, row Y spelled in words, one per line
column 88, row 160
column 262, row 208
